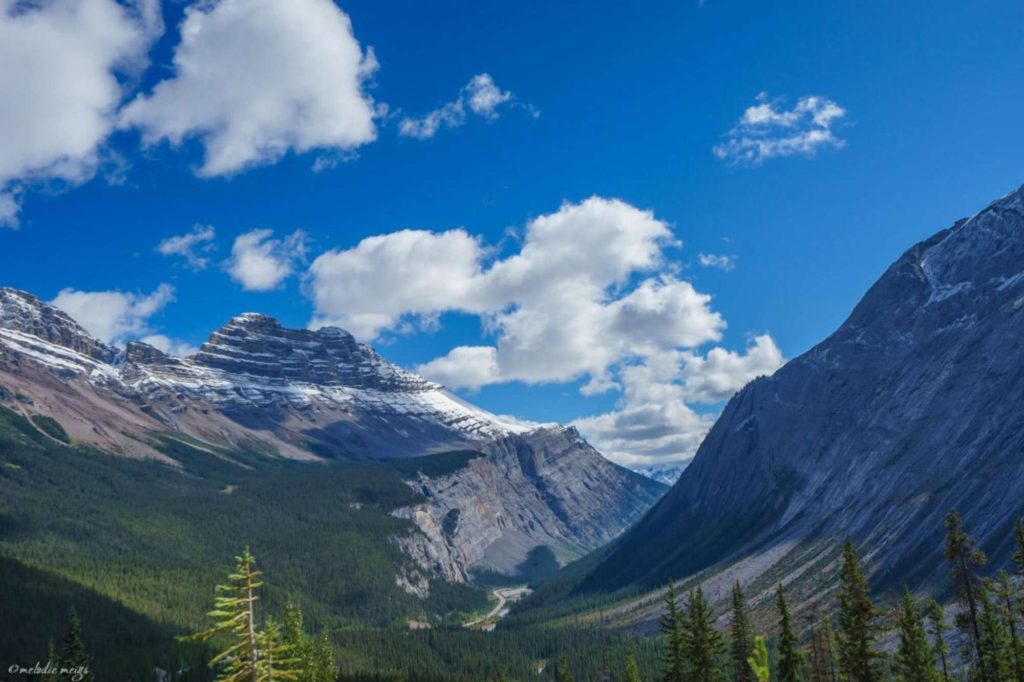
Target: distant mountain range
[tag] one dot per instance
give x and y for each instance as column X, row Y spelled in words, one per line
column 914, row 406
column 279, row 393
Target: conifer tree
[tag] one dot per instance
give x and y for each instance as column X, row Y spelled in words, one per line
column 632, row 671
column 856, row 620
column 939, row 646
column 823, row 648
column 564, row 673
column 789, row 657
column 702, row 644
column 964, row 559
column 1004, row 597
column 321, row 664
column 741, row 641
column 1018, row 556
column 915, row 660
column 73, row 656
column 758, row 660
column 234, row 616
column 52, row 664
column 671, row 624
column 278, row 662
column 994, row 643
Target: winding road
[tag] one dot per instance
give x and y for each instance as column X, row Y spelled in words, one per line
column 504, row 595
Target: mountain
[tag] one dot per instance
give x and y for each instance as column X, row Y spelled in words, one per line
column 320, row 396
column 914, row 406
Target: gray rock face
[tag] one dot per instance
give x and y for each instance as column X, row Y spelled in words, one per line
column 257, row 345
column 23, row 312
column 911, row 408
column 543, row 487
column 320, row 394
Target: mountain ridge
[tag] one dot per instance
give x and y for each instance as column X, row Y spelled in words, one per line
column 908, row 409
column 319, row 395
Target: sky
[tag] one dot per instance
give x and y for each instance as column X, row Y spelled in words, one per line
column 605, row 214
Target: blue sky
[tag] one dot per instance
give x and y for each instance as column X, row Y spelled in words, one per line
column 606, row 100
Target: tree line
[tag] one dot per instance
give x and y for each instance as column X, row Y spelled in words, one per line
column 989, row 616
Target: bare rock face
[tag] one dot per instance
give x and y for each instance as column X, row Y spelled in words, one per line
column 257, row 345
column 911, row 408
column 23, row 313
column 546, row 487
column 321, row 395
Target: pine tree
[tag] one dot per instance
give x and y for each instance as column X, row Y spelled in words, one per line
column 322, row 666
column 964, row 558
column 1004, row 597
column 789, row 657
column 741, row 641
column 994, row 643
column 73, row 657
column 1018, row 556
column 939, row 646
column 915, row 660
column 277, row 662
column 671, row 623
column 758, row 660
column 52, row 664
column 856, row 620
column 824, row 648
column 632, row 671
column 234, row 615
column 702, row 644
column 564, row 674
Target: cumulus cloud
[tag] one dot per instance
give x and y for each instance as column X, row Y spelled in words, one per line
column 61, row 88
column 260, row 263
column 194, row 246
column 175, row 347
column 113, row 316
column 653, row 423
column 768, row 129
column 255, row 79
column 720, row 261
column 481, row 96
column 589, row 294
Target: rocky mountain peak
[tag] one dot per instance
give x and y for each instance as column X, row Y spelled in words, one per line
column 22, row 312
column 256, row 344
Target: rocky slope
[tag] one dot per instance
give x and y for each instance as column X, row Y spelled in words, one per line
column 911, row 408
column 317, row 395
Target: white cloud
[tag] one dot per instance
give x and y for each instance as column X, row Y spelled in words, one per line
column 653, row 424
column 260, row 263
column 768, row 129
column 191, row 246
column 720, row 261
column 465, row 366
column 60, row 86
column 255, row 79
column 113, row 316
column 369, row 288
column 175, row 347
column 588, row 294
column 481, row 96
column 484, row 97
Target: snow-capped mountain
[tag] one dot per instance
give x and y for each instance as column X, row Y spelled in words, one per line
column 914, row 406
column 320, row 395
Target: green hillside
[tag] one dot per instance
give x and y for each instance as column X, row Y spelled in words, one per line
column 137, row 547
